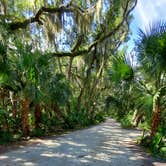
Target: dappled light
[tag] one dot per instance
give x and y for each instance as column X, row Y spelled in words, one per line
column 105, row 144
column 80, row 85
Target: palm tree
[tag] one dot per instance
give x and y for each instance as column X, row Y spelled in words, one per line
column 151, row 49
column 121, row 75
column 20, row 77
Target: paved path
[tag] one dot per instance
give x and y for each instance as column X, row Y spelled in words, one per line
column 106, row 144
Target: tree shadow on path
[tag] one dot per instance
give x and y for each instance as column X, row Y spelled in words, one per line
column 106, row 144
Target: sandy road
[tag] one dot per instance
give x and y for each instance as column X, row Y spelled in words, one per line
column 106, row 144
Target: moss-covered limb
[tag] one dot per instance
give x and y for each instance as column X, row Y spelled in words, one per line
column 77, row 43
column 111, row 33
column 126, row 13
column 61, row 9
column 68, row 54
column 73, row 8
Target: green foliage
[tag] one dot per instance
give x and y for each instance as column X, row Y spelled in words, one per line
column 145, row 125
column 59, row 90
column 3, row 58
column 126, row 122
column 154, row 38
column 3, row 116
column 38, row 132
column 77, row 119
column 100, row 117
column 163, row 152
column 69, row 91
column 156, row 145
column 146, row 141
column 5, row 137
column 81, row 119
column 120, row 70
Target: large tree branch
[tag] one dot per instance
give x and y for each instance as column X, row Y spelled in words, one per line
column 111, row 33
column 100, row 40
column 72, row 8
column 69, row 54
column 23, row 24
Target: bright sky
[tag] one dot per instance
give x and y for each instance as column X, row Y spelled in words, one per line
column 146, row 13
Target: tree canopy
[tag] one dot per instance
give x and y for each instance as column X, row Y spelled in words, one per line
column 61, row 67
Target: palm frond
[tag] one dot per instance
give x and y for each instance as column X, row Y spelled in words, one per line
column 151, row 47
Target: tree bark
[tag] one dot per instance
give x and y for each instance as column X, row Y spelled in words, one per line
column 138, row 119
column 14, row 103
column 3, row 7
column 37, row 115
column 79, row 100
column 155, row 118
column 58, row 112
column 24, row 116
column 69, row 69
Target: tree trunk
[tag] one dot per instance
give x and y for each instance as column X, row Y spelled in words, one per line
column 14, row 109
column 79, row 100
column 58, row 112
column 155, row 118
column 14, row 104
column 138, row 118
column 69, row 69
column 37, row 115
column 24, row 116
column 3, row 7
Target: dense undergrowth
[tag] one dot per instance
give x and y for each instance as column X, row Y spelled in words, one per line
column 156, row 145
column 64, row 66
column 48, row 126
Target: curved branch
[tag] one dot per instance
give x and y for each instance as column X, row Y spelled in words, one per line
column 23, row 24
column 111, row 33
column 68, row 54
column 73, row 8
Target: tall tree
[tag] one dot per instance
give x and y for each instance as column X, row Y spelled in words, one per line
column 151, row 48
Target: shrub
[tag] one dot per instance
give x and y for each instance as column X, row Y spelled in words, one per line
column 5, row 137
column 126, row 122
column 38, row 132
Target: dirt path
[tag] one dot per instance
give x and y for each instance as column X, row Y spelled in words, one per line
column 106, row 144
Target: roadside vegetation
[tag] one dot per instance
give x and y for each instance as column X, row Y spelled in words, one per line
column 61, row 68
column 142, row 94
